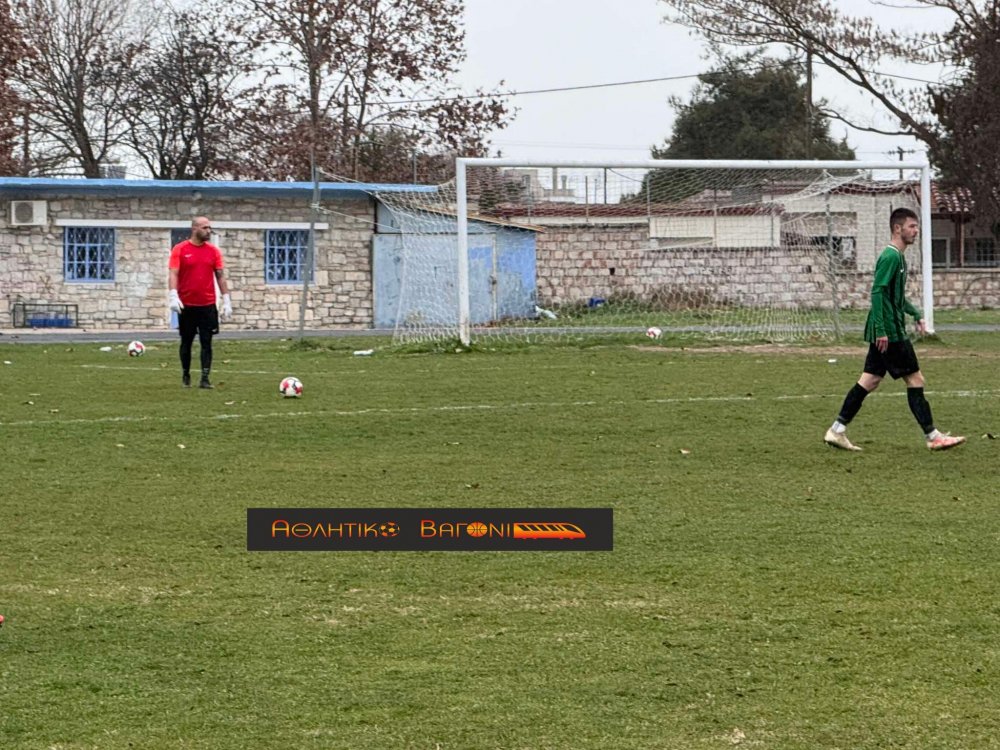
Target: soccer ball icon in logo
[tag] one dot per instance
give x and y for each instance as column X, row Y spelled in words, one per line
column 389, row 528
column 476, row 528
column 290, row 387
column 653, row 332
column 136, row 349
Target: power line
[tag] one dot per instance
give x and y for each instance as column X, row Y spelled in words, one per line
column 615, row 84
column 900, row 77
column 554, row 90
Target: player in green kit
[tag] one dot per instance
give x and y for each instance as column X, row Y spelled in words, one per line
column 889, row 348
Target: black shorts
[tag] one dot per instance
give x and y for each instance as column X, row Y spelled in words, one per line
column 203, row 319
column 899, row 360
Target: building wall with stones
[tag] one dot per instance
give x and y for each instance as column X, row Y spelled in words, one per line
column 956, row 289
column 577, row 262
column 32, row 263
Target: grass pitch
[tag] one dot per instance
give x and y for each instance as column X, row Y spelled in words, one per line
column 764, row 591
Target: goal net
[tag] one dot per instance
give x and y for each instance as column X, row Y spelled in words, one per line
column 743, row 251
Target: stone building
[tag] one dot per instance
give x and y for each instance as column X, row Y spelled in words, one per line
column 99, row 248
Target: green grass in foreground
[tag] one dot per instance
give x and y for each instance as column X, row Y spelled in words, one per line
column 764, row 591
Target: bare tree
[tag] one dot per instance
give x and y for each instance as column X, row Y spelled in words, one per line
column 12, row 50
column 853, row 47
column 955, row 118
column 364, row 68
column 186, row 92
column 76, row 108
column 966, row 108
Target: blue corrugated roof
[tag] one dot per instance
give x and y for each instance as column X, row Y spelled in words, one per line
column 82, row 186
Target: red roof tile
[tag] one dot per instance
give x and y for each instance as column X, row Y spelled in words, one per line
column 951, row 201
column 608, row 210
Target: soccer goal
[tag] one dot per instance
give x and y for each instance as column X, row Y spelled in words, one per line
column 734, row 250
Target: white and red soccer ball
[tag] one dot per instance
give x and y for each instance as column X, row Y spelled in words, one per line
column 136, row 349
column 653, row 332
column 290, row 387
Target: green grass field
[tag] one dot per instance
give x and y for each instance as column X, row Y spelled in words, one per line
column 764, row 591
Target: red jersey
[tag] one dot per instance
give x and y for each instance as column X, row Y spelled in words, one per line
column 195, row 266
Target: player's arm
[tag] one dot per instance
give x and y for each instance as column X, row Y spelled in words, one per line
column 884, row 270
column 879, row 301
column 227, row 301
column 220, row 276
column 912, row 310
column 174, row 267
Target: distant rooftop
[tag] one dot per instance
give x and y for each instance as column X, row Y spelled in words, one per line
column 642, row 210
column 957, row 201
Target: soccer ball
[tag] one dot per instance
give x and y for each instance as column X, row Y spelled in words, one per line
column 290, row 387
column 653, row 332
column 136, row 349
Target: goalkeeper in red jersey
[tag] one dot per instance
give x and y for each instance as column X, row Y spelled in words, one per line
column 889, row 348
column 195, row 267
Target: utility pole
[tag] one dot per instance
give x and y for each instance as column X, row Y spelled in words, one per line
column 307, row 262
column 809, row 103
column 26, row 144
column 901, row 151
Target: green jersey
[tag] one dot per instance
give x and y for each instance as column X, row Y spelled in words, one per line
column 889, row 304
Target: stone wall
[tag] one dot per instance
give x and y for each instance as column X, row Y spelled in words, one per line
column 31, row 261
column 967, row 289
column 579, row 262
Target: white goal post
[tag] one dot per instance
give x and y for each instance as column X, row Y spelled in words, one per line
column 775, row 250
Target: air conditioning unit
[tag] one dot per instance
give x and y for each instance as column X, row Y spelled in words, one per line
column 29, row 213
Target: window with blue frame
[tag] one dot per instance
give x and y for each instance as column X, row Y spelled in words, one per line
column 285, row 251
column 89, row 253
column 178, row 235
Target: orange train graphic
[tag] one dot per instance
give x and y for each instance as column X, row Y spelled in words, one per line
column 548, row 531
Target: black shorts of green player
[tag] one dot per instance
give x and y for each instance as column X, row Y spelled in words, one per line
column 203, row 321
column 899, row 360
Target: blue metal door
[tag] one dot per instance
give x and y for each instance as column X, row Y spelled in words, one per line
column 415, row 280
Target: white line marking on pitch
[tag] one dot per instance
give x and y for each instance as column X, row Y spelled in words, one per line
column 463, row 407
column 225, row 370
column 218, row 371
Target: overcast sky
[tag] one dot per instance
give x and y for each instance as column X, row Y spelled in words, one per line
column 541, row 44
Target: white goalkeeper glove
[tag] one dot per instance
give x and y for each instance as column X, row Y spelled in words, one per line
column 175, row 302
column 227, row 307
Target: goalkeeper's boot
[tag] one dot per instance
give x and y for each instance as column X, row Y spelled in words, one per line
column 839, row 440
column 944, row 442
